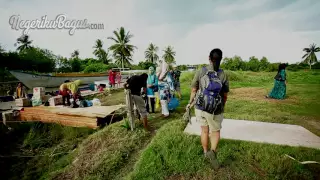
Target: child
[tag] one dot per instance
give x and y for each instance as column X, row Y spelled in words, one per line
column 118, row 79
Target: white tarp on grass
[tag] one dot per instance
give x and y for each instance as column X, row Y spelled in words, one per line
column 262, row 132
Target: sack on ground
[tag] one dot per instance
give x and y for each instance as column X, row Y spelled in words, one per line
column 96, row 102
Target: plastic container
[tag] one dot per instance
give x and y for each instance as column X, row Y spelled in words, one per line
column 173, row 104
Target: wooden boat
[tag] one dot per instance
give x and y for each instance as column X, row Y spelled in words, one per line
column 55, row 80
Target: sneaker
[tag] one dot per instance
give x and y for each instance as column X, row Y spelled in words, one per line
column 212, row 157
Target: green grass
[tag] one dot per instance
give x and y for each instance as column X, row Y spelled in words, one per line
column 167, row 153
column 174, row 154
column 32, row 150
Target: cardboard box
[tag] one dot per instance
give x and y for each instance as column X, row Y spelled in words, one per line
column 56, row 100
column 39, row 92
column 22, row 102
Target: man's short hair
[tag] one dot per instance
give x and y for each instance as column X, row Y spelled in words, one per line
column 215, row 55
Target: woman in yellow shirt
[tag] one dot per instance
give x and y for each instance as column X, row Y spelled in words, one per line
column 21, row 91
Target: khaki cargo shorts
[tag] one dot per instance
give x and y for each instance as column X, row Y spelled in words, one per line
column 213, row 121
column 140, row 105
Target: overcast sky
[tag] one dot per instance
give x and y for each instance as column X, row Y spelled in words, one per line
column 277, row 29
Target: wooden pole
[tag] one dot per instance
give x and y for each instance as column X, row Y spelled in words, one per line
column 130, row 108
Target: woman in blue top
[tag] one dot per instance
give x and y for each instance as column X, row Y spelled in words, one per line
column 280, row 84
column 152, row 87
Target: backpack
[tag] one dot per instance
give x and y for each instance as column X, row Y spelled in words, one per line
column 209, row 98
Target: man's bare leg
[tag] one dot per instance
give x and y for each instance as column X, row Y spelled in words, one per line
column 145, row 123
column 205, row 138
column 214, row 139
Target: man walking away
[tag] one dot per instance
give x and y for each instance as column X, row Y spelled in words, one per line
column 176, row 76
column 209, row 95
column 135, row 83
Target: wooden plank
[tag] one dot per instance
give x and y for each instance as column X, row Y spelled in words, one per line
column 93, row 111
column 43, row 114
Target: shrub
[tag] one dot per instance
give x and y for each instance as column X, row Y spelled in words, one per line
column 97, row 67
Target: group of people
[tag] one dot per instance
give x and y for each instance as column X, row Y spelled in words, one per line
column 156, row 87
column 114, row 78
column 209, row 93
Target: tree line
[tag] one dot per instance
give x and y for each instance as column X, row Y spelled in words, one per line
column 254, row 64
column 119, row 54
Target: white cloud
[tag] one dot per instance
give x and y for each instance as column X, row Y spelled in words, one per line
column 269, row 34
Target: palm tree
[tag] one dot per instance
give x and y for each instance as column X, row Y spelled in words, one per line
column 100, row 53
column 122, row 60
column 169, row 54
column 24, row 42
column 122, row 50
column 1, row 49
column 104, row 56
column 97, row 47
column 310, row 57
column 75, row 54
column 151, row 53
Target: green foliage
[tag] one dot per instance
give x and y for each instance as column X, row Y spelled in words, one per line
column 182, row 156
column 122, row 50
column 24, row 43
column 145, row 65
column 75, row 65
column 151, row 53
column 169, row 55
column 75, row 54
column 182, row 67
column 310, row 57
column 255, row 65
column 100, row 53
column 126, row 124
column 39, row 149
column 96, row 67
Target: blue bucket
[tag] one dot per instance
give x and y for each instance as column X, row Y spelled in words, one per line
column 173, row 104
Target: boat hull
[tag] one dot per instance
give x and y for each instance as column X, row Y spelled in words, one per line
column 32, row 80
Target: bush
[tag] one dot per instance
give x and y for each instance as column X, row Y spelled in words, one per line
column 97, row 67
column 234, row 76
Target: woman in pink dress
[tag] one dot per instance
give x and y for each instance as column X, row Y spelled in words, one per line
column 111, row 78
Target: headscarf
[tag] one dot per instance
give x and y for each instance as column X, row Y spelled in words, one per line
column 151, row 76
column 151, row 70
column 164, row 70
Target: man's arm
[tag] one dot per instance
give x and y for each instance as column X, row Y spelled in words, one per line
column 126, row 84
column 225, row 89
column 194, row 89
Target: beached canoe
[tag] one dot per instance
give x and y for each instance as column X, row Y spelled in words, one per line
column 34, row 80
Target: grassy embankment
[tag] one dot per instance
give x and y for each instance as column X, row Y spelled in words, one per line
column 168, row 153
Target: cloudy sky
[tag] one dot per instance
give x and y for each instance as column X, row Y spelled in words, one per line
column 277, row 29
